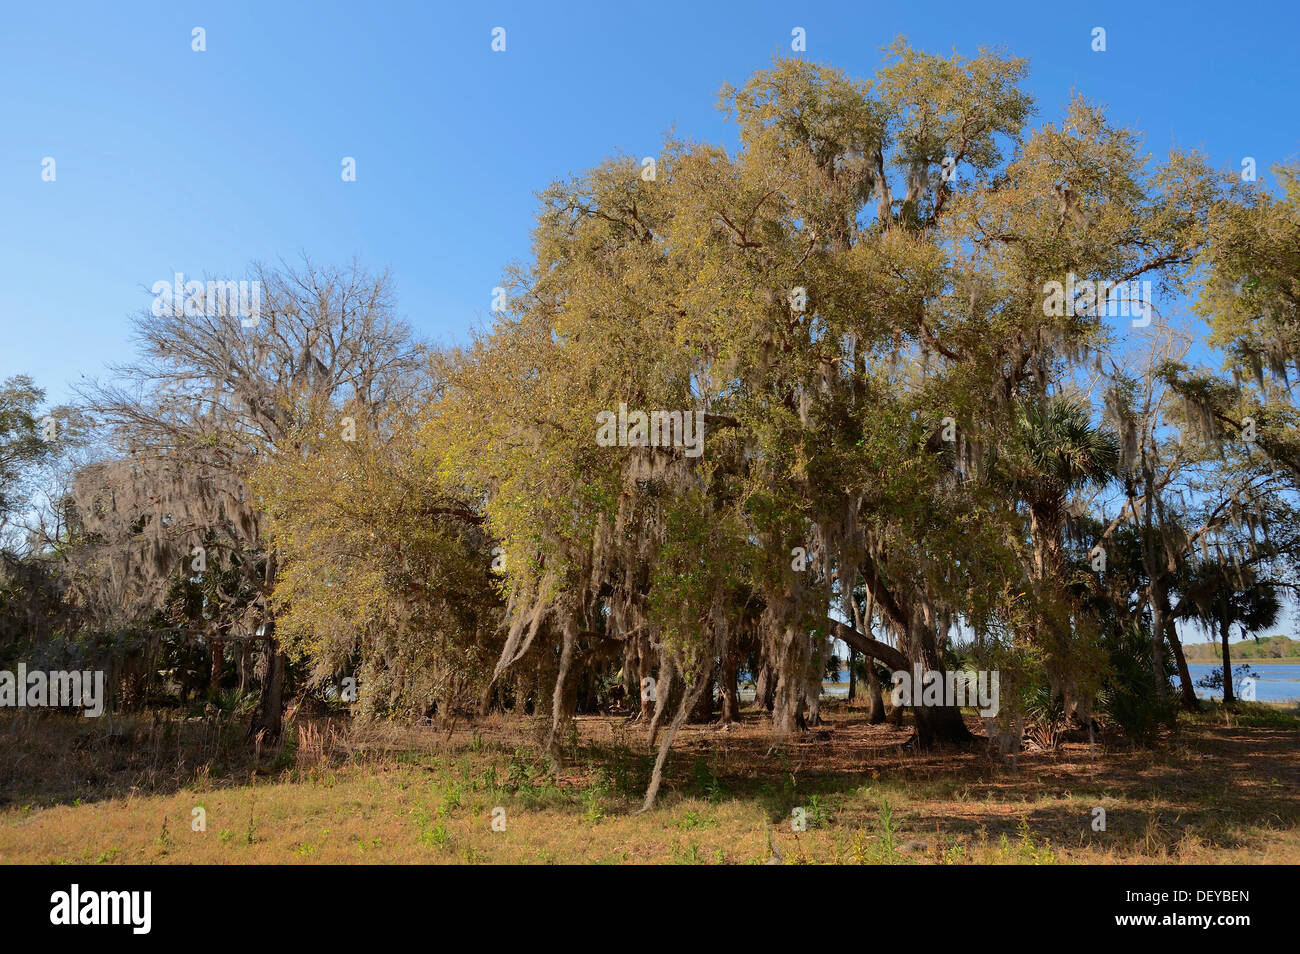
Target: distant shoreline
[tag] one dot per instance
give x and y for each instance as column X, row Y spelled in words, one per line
column 1285, row 661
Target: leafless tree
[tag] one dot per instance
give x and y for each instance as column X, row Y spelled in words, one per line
column 213, row 393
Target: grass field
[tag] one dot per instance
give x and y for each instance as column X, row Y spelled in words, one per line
column 1222, row 790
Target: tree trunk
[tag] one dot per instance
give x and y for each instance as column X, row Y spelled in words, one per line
column 876, row 710
column 1157, row 594
column 764, row 688
column 690, row 697
column 911, row 617
column 787, row 707
column 793, row 659
column 730, row 693
column 935, row 725
column 1188, row 689
column 561, row 710
column 1228, row 697
column 485, row 699
column 268, row 719
column 663, row 692
column 703, row 710
column 631, row 676
column 218, row 664
column 813, row 695
column 644, row 671
column 853, row 674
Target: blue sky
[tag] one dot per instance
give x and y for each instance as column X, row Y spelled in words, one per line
column 172, row 160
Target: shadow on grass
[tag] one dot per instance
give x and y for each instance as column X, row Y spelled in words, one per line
column 1223, row 771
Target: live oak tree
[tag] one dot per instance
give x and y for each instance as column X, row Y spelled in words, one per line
column 759, row 290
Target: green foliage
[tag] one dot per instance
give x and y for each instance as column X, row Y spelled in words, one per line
column 1130, row 697
column 22, row 443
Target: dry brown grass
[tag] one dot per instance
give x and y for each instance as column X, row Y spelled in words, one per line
column 76, row 791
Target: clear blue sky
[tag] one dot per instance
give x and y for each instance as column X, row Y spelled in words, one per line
column 169, row 160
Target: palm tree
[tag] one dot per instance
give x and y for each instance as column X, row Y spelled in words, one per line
column 1221, row 597
column 1055, row 450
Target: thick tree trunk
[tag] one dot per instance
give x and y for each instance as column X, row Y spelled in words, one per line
column 764, row 688
column 912, row 618
column 703, row 711
column 813, row 682
column 792, row 652
column 268, row 718
column 787, row 708
column 935, row 725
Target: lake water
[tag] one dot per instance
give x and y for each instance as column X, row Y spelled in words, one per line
column 1274, row 682
column 832, row 691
